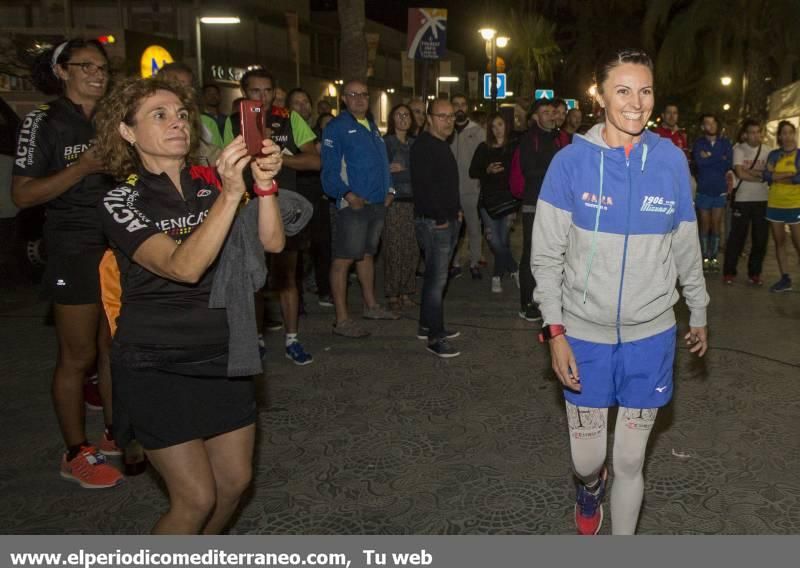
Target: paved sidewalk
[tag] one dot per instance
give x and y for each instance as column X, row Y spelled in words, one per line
column 378, row 436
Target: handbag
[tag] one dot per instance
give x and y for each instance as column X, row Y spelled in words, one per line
column 499, row 204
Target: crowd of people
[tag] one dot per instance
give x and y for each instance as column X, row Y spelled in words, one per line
column 203, row 233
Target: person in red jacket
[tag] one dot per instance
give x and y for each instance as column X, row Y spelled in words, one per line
column 669, row 127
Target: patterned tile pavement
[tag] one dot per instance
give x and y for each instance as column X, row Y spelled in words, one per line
column 379, row 437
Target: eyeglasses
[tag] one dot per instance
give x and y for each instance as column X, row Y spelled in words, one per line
column 402, row 115
column 443, row 116
column 354, row 95
column 90, row 68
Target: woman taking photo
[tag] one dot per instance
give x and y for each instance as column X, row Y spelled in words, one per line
column 490, row 164
column 401, row 253
column 167, row 224
column 57, row 165
column 615, row 228
column 783, row 204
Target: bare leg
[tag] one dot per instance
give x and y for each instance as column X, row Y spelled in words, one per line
column 104, row 367
column 366, row 277
column 339, row 269
column 779, row 235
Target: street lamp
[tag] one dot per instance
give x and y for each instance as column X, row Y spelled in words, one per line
column 726, row 81
column 212, row 20
column 493, row 41
column 445, row 79
column 726, row 107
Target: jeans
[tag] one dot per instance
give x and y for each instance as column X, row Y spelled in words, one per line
column 747, row 214
column 526, row 281
column 438, row 246
column 498, row 233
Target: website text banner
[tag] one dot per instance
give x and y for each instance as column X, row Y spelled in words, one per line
column 397, row 551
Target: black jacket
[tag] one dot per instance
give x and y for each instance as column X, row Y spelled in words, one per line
column 434, row 177
column 536, row 150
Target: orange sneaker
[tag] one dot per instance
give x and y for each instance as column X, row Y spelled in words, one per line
column 108, row 446
column 89, row 468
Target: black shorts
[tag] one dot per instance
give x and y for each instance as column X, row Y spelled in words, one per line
column 164, row 396
column 73, row 279
column 357, row 232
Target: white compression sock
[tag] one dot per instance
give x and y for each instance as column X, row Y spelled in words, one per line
column 631, row 433
column 587, row 440
column 290, row 338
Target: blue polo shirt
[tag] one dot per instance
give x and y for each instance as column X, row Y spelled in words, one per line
column 712, row 162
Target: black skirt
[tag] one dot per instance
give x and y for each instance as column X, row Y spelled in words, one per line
column 168, row 395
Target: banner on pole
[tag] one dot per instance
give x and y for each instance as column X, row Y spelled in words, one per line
column 407, row 65
column 373, row 39
column 427, row 33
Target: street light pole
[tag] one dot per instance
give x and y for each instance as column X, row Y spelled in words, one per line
column 199, row 50
column 494, row 75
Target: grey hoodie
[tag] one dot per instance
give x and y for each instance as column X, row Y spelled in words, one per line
column 612, row 235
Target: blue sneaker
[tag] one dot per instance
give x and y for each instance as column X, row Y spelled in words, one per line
column 782, row 285
column 589, row 506
column 298, row 355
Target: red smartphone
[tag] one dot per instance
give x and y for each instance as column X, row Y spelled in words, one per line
column 251, row 114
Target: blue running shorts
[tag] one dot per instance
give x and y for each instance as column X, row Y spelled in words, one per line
column 636, row 374
column 703, row 201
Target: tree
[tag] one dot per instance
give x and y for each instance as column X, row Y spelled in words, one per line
column 701, row 39
column 535, row 53
column 353, row 45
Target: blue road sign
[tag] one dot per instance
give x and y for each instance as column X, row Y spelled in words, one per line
column 571, row 103
column 544, row 94
column 501, row 85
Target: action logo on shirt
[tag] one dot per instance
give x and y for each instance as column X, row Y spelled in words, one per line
column 28, row 134
column 119, row 202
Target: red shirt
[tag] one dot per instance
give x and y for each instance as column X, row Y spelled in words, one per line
column 678, row 136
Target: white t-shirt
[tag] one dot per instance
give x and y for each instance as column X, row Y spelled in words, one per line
column 743, row 155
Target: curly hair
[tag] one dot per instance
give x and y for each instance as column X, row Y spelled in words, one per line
column 121, row 105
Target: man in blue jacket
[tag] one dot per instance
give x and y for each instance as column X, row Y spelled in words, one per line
column 713, row 158
column 355, row 174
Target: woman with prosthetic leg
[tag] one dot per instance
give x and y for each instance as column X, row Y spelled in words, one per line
column 615, row 229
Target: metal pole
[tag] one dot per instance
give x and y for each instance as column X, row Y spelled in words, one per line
column 494, row 76
column 199, row 50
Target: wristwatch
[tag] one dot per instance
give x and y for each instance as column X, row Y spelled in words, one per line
column 550, row 331
column 261, row 192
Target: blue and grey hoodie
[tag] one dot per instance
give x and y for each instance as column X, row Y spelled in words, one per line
column 612, row 234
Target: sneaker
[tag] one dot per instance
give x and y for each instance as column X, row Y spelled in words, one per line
column 755, row 280
column 497, row 286
column 378, row 312
column 706, row 265
column 530, row 313
column 108, row 446
column 298, row 355
column 91, row 394
column 89, row 468
column 453, row 273
column 422, row 333
column 273, row 325
column 714, row 265
column 782, row 285
column 515, row 278
column 325, row 301
column 728, row 279
column 350, row 328
column 262, row 347
column 476, row 273
column 443, row 349
column 589, row 507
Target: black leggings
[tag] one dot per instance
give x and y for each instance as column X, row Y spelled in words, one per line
column 745, row 214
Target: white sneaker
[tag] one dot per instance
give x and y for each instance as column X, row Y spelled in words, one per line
column 497, row 287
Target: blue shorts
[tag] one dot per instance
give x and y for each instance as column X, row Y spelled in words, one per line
column 788, row 216
column 704, row 201
column 357, row 232
column 636, row 374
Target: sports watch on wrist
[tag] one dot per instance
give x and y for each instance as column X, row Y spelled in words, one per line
column 261, row 192
column 550, row 331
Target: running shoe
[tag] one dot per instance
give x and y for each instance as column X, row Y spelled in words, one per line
column 497, row 285
column 378, row 312
column 706, row 265
column 91, row 394
column 350, row 328
column 273, row 325
column 262, row 347
column 298, row 355
column 325, row 301
column 453, row 273
column 714, row 265
column 782, row 285
column 108, row 446
column 530, row 313
column 589, row 506
column 89, row 468
column 755, row 280
column 422, row 333
column 728, row 279
column 443, row 349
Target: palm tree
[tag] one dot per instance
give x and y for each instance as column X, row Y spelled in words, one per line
column 353, row 45
column 535, row 53
column 700, row 38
